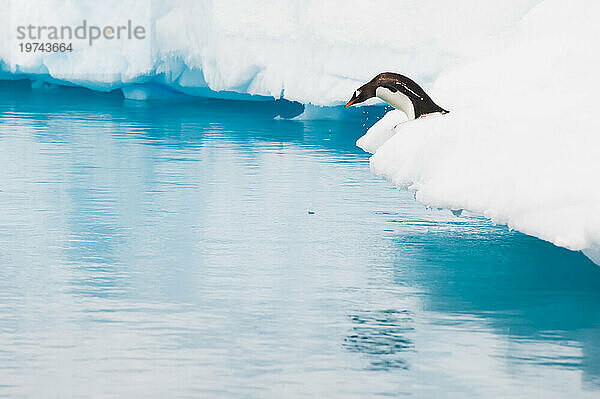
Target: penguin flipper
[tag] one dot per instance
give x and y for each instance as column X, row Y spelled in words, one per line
column 404, row 89
column 408, row 91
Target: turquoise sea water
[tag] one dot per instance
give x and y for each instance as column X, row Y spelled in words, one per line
column 203, row 249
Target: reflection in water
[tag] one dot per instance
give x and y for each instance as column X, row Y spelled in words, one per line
column 383, row 336
column 525, row 287
column 167, row 247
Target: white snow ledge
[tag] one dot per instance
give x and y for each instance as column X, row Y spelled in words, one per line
column 521, row 144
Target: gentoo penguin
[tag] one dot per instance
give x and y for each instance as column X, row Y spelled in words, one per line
column 400, row 92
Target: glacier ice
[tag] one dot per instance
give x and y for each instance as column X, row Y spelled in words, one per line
column 311, row 52
column 521, row 144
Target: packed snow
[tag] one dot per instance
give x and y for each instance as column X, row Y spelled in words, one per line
column 521, row 144
column 312, row 51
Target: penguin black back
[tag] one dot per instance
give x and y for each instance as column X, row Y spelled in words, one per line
column 399, row 91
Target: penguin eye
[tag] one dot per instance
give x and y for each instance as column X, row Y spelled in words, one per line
column 357, row 93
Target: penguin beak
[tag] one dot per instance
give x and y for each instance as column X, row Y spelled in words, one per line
column 352, row 101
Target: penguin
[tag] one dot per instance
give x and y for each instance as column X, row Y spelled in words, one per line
column 400, row 92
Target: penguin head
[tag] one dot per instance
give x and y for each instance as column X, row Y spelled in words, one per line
column 362, row 94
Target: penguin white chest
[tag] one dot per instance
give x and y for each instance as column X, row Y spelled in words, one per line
column 397, row 100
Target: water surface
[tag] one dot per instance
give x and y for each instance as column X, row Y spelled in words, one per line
column 204, row 249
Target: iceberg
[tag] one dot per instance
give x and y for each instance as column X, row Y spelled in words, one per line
column 521, row 144
column 312, row 52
